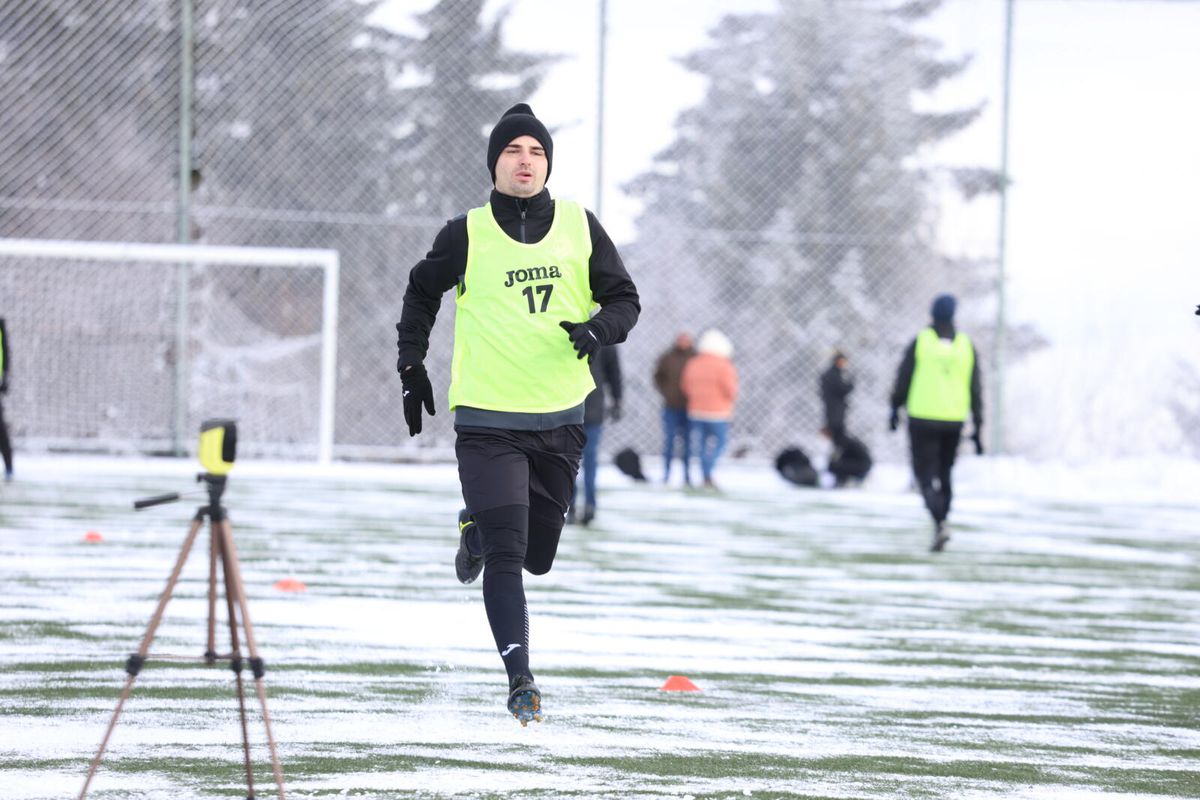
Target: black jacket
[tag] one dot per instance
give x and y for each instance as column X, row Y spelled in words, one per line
column 836, row 386
column 525, row 221
column 4, row 356
column 944, row 330
column 606, row 372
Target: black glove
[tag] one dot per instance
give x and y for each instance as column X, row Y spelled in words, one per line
column 417, row 392
column 614, row 413
column 978, row 440
column 583, row 337
column 894, row 422
column 4, row 386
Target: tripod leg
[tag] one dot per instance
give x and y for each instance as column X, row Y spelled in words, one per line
column 217, row 531
column 256, row 664
column 134, row 665
column 210, row 655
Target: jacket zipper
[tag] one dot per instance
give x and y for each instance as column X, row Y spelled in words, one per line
column 522, row 210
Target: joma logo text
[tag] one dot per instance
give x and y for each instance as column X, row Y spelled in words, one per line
column 516, row 276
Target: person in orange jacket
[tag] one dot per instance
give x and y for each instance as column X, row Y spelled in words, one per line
column 710, row 383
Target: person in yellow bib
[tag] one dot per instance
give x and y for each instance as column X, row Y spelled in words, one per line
column 527, row 271
column 938, row 384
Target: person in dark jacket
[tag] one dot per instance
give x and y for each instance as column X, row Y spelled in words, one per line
column 836, row 386
column 5, row 363
column 667, row 373
column 527, row 270
column 939, row 384
column 606, row 373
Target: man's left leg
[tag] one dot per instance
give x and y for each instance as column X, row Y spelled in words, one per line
column 924, row 442
column 505, row 546
column 504, row 532
column 670, row 431
column 685, row 430
column 494, row 470
column 553, row 464
column 591, row 459
column 948, row 451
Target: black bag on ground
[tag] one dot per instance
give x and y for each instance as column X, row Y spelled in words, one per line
column 795, row 467
column 630, row 463
column 852, row 461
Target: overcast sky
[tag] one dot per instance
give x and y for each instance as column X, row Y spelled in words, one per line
column 1103, row 235
column 1104, row 153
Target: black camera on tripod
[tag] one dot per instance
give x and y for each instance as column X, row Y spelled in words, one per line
column 218, row 446
column 217, row 451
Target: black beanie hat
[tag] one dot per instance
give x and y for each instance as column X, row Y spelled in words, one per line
column 943, row 308
column 518, row 121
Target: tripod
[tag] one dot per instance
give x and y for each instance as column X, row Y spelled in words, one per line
column 222, row 552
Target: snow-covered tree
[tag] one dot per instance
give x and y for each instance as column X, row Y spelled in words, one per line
column 795, row 204
column 87, row 148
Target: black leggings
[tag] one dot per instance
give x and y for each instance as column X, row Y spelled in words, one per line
column 516, row 485
column 934, row 447
column 514, row 538
column 5, row 445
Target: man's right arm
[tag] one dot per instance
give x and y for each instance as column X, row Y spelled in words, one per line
column 431, row 278
column 903, row 382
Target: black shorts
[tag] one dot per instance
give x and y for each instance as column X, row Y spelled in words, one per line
column 499, row 467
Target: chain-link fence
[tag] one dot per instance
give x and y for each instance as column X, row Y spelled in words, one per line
column 785, row 174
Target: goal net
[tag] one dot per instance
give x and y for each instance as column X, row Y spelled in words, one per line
column 129, row 347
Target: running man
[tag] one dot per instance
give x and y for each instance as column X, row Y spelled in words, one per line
column 527, row 270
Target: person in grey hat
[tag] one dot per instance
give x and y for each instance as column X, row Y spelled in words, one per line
column 527, row 270
column 938, row 383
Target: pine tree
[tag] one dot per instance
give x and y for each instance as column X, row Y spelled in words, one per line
column 458, row 79
column 792, row 194
column 86, row 148
column 293, row 118
column 316, row 128
column 464, row 80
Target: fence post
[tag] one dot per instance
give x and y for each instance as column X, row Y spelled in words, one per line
column 998, row 433
column 184, row 220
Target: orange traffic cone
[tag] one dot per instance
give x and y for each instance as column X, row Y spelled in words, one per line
column 290, row 585
column 93, row 537
column 678, row 683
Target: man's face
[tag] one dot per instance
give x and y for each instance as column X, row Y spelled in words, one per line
column 521, row 168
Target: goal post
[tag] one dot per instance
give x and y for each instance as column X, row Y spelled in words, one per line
column 245, row 342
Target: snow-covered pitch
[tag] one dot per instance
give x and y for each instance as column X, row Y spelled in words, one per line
column 1053, row 650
